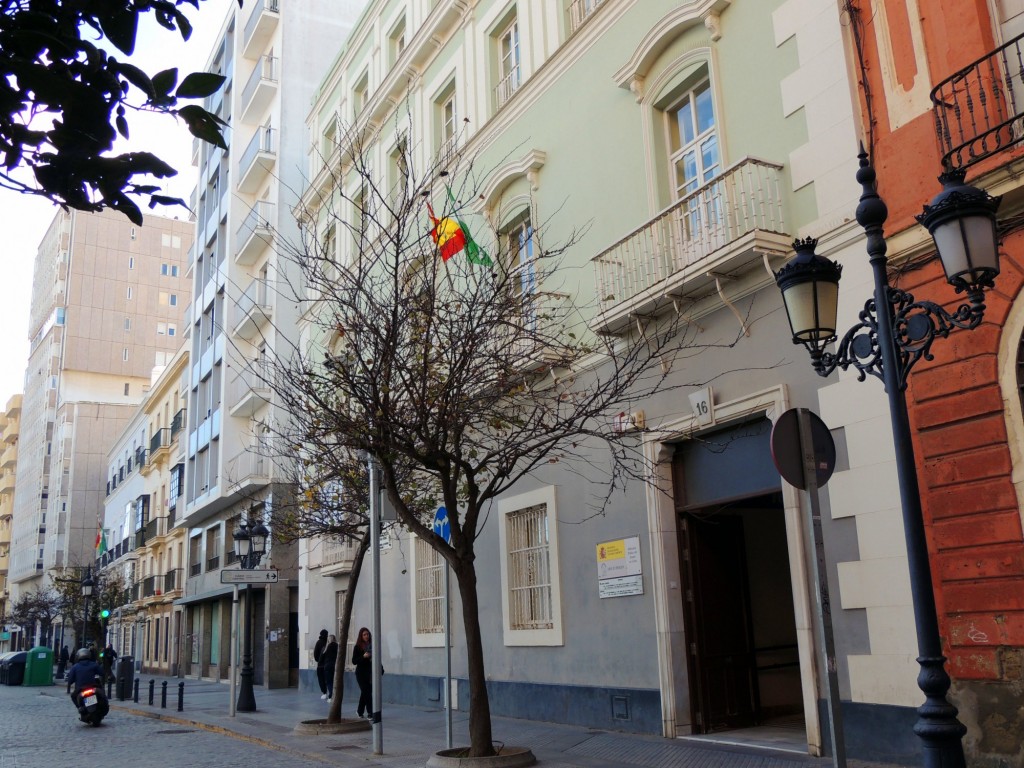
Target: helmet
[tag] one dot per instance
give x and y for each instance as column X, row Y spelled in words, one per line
column 83, row 654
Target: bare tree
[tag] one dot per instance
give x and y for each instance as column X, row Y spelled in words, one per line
column 460, row 376
column 41, row 607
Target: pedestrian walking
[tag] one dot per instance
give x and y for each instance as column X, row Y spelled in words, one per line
column 109, row 657
column 62, row 662
column 318, row 657
column 330, row 662
column 362, row 657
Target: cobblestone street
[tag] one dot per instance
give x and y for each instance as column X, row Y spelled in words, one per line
column 39, row 729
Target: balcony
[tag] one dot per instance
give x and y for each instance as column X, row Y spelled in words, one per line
column 260, row 26
column 7, row 483
column 140, row 539
column 719, row 230
column 195, row 569
column 152, row 586
column 979, row 110
column 177, row 423
column 257, row 160
column 172, row 580
column 254, row 309
column 249, row 391
column 9, row 458
column 255, row 234
column 580, row 11
column 260, row 89
column 213, row 563
column 246, row 470
column 153, row 529
column 158, row 444
column 338, row 553
column 508, row 85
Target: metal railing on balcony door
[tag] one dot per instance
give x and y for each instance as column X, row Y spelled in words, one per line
column 979, row 110
column 745, row 198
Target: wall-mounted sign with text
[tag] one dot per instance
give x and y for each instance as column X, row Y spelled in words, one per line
column 619, row 572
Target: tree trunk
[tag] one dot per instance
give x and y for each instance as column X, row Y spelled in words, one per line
column 334, row 713
column 480, row 741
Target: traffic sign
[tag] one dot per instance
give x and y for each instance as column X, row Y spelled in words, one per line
column 441, row 525
column 238, row 576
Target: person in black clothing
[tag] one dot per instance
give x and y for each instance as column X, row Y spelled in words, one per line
column 109, row 656
column 362, row 656
column 330, row 662
column 318, row 657
column 83, row 674
column 62, row 662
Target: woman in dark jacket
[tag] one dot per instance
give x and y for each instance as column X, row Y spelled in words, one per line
column 330, row 662
column 362, row 656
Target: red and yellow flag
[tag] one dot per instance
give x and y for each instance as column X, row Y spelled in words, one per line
column 448, row 234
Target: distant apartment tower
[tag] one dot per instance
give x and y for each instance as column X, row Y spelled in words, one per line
column 10, row 424
column 273, row 56
column 108, row 299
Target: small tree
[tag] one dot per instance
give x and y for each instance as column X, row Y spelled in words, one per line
column 459, row 378
column 39, row 607
column 64, row 100
column 107, row 594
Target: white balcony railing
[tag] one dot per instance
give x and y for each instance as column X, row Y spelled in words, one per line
column 259, row 26
column 743, row 201
column 579, row 11
column 255, row 233
column 260, row 88
column 508, row 85
column 257, row 159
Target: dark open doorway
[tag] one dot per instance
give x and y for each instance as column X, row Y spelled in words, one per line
column 743, row 663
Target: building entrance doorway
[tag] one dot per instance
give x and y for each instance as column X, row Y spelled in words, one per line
column 742, row 658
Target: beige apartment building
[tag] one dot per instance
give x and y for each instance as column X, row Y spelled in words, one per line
column 146, row 472
column 108, row 298
column 10, row 423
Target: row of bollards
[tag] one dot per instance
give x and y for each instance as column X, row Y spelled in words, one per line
column 152, row 690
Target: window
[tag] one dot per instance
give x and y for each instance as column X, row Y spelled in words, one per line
column 530, row 588
column 133, row 233
column 174, row 299
column 166, row 299
column 164, row 268
column 127, row 323
column 579, row 10
column 213, row 547
column 509, row 72
column 446, row 121
column 195, row 564
column 693, row 142
column 360, row 94
column 131, row 262
column 174, row 268
column 519, row 247
column 161, row 329
column 128, row 295
column 171, row 329
column 124, row 354
column 396, row 41
column 429, row 595
column 127, row 387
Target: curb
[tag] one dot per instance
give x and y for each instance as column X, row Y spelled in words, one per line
column 224, row 732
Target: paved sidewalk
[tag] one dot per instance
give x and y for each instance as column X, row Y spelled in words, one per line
column 412, row 734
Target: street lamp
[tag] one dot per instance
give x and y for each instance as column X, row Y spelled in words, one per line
column 894, row 332
column 250, row 546
column 87, row 586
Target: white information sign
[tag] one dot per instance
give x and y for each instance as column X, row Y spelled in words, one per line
column 242, row 576
column 619, row 570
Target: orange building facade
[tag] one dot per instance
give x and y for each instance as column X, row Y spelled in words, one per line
column 965, row 404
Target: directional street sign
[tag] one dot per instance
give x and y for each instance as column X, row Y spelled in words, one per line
column 248, row 577
column 442, row 527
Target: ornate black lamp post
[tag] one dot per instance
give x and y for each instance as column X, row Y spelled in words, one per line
column 87, row 587
column 250, row 546
column 894, row 332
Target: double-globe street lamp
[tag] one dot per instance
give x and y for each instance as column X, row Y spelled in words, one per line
column 894, row 332
column 250, row 546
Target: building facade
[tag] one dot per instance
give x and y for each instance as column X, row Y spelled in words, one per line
column 273, row 58
column 107, row 300
column 933, row 106
column 10, row 420
column 684, row 175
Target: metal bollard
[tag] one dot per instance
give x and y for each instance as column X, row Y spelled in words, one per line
column 110, row 687
column 135, row 691
column 120, row 689
column 163, row 695
column 181, row 696
column 152, row 690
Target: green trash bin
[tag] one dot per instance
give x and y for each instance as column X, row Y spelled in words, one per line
column 39, row 666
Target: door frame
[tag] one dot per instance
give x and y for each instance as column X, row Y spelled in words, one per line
column 665, row 563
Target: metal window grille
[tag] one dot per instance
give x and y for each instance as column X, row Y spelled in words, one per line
column 529, row 569
column 429, row 589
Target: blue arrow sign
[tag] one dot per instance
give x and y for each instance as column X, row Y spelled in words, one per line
column 441, row 526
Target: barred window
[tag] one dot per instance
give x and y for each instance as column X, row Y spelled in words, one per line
column 529, row 572
column 429, row 589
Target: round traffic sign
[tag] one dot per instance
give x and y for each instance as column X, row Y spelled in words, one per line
column 441, row 526
column 788, row 454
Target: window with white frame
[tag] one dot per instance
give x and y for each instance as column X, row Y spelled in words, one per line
column 447, row 119
column 396, row 41
column 429, row 594
column 509, row 69
column 531, row 591
column 519, row 246
column 360, row 94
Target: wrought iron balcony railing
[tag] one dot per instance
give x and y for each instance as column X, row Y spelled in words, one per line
column 979, row 110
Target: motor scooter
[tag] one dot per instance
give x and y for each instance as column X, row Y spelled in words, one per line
column 92, row 703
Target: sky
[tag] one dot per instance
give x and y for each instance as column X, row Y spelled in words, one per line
column 25, row 218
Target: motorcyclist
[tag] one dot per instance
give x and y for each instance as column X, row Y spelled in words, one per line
column 83, row 674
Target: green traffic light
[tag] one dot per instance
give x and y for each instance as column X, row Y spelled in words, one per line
column 104, row 614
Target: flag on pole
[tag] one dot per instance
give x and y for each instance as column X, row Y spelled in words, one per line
column 101, row 539
column 452, row 236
